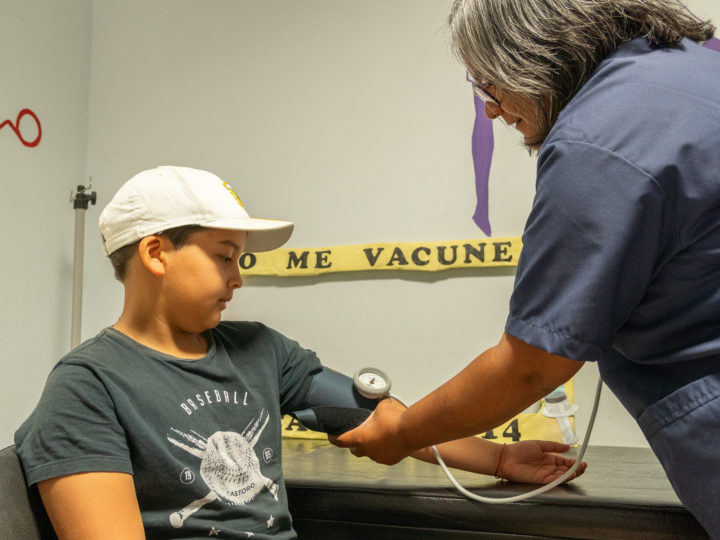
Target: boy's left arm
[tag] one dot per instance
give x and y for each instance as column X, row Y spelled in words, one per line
column 534, row 462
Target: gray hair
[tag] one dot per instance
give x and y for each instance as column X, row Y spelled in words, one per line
column 544, row 51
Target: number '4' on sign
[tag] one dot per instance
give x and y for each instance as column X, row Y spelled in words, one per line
column 511, row 431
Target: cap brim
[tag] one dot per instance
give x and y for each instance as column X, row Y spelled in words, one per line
column 263, row 234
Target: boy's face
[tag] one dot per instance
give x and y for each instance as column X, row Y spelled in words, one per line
column 200, row 278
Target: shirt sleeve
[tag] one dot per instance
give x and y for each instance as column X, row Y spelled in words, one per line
column 73, row 429
column 296, row 367
column 599, row 228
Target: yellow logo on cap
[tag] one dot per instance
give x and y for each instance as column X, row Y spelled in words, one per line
column 232, row 192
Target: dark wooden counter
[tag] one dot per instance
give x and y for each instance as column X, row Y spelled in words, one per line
column 624, row 494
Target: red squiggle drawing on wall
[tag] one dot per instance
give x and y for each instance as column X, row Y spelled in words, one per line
column 16, row 127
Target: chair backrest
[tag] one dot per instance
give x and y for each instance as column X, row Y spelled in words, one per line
column 22, row 514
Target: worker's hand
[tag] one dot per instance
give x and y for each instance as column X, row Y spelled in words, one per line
column 535, row 462
column 379, row 436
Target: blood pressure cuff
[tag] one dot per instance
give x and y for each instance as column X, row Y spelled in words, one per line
column 332, row 404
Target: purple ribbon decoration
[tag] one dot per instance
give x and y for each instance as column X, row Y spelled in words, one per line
column 483, row 143
column 713, row 44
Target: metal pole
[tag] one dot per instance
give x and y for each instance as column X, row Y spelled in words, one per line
column 80, row 203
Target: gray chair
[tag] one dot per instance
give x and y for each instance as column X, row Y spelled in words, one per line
column 22, row 515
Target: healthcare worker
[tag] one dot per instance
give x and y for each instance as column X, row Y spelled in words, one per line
column 621, row 251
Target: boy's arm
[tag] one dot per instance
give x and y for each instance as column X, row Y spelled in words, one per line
column 94, row 505
column 478, row 457
column 533, row 462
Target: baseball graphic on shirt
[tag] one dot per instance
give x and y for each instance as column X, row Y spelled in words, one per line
column 229, row 466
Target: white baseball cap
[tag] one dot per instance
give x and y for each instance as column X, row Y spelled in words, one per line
column 167, row 197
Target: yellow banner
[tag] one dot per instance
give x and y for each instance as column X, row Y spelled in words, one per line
column 405, row 256
column 524, row 427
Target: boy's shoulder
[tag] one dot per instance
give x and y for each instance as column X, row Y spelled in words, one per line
column 241, row 327
column 113, row 350
column 246, row 332
column 103, row 340
column 108, row 350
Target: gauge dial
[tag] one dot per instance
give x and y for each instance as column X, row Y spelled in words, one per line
column 372, row 383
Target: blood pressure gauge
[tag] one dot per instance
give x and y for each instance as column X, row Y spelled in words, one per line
column 372, row 383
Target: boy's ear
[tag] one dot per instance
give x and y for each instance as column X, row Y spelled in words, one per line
column 152, row 254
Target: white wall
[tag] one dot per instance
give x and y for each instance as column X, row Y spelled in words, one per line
column 45, row 61
column 350, row 118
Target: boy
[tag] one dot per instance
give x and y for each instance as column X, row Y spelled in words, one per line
column 167, row 424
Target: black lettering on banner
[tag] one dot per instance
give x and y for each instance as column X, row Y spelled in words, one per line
column 321, row 259
column 295, row 424
column 416, row 256
column 512, row 431
column 295, row 261
column 372, row 259
column 501, row 250
column 479, row 254
column 441, row 255
column 398, row 257
column 247, row 261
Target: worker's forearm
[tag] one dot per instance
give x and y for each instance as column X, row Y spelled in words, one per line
column 476, row 400
column 493, row 388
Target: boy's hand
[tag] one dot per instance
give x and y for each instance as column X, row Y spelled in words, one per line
column 378, row 437
column 535, row 462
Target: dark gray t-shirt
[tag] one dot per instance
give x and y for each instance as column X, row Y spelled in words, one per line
column 201, row 437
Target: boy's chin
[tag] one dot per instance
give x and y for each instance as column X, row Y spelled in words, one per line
column 202, row 326
column 209, row 325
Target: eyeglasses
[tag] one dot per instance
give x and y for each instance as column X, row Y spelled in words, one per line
column 481, row 91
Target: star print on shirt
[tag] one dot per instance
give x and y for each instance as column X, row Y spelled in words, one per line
column 271, row 521
column 214, row 532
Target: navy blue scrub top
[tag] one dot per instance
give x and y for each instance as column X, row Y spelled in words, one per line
column 621, row 252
